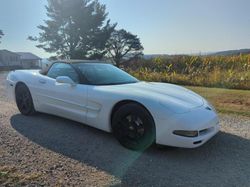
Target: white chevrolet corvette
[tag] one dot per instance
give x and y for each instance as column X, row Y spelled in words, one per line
column 105, row 97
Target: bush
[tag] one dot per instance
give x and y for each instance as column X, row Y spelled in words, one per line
column 209, row 71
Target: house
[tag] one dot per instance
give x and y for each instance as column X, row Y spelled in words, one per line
column 29, row 60
column 9, row 59
column 20, row 60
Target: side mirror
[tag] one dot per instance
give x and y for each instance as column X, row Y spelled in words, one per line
column 65, row 80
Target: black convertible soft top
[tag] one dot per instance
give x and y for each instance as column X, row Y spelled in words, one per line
column 45, row 70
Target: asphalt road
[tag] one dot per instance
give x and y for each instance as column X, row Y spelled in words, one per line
column 68, row 153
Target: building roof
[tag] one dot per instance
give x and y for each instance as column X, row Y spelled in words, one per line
column 28, row 56
column 9, row 52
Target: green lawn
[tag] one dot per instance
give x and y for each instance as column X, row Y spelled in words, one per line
column 226, row 100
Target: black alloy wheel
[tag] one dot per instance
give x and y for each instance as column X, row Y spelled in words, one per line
column 133, row 127
column 24, row 100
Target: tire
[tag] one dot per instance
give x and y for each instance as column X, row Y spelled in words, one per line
column 133, row 127
column 24, row 100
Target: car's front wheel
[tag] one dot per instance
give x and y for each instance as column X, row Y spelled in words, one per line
column 133, row 126
column 24, row 100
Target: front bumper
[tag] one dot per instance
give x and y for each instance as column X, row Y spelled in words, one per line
column 204, row 121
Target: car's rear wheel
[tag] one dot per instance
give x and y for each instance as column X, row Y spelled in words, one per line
column 24, row 100
column 133, row 126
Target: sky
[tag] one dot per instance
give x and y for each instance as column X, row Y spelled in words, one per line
column 164, row 26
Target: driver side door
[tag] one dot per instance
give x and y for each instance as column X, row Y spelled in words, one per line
column 61, row 99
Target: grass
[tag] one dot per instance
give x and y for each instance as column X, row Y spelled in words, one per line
column 227, row 101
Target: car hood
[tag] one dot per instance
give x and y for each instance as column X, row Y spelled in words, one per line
column 176, row 98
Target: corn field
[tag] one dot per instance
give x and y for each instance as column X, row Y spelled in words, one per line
column 210, row 71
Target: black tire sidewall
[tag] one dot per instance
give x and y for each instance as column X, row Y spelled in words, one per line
column 148, row 123
column 21, row 88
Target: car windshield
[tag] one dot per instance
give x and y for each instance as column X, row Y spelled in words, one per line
column 104, row 74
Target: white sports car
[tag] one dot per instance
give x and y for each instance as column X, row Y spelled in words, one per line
column 105, row 97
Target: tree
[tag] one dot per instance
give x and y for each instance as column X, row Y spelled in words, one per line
column 123, row 45
column 76, row 29
column 1, row 34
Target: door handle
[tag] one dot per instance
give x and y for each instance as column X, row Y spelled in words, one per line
column 42, row 81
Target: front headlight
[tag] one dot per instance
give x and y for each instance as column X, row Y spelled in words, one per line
column 186, row 133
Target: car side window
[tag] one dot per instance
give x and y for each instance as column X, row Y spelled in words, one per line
column 63, row 69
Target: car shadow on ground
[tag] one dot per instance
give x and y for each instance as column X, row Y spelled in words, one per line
column 224, row 160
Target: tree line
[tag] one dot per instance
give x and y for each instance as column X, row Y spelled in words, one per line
column 80, row 29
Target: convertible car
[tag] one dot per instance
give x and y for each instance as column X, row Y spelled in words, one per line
column 103, row 96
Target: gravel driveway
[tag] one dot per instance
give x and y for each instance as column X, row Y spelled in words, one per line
column 45, row 150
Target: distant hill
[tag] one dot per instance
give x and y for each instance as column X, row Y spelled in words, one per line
column 150, row 56
column 231, row 52
column 220, row 53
